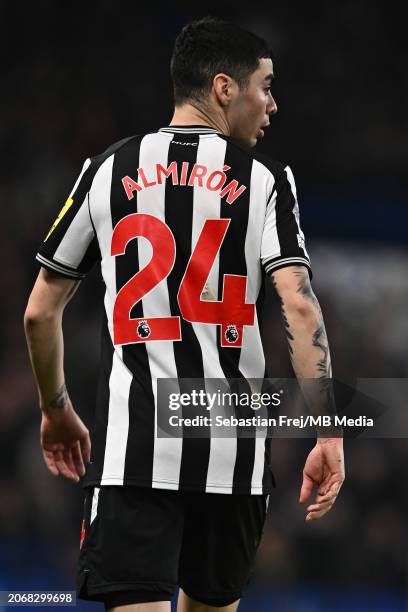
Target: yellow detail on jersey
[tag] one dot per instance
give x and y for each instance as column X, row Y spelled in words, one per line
column 64, row 209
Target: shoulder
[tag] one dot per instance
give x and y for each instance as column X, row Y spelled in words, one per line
column 94, row 162
column 273, row 166
column 97, row 160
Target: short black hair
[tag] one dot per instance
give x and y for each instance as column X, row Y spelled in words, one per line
column 209, row 46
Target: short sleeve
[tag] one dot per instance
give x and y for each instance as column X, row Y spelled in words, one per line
column 71, row 247
column 283, row 242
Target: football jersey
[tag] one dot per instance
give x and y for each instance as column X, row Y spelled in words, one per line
column 185, row 224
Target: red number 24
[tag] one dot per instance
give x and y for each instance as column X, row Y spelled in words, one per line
column 232, row 312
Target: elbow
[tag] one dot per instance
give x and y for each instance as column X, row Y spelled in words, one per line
column 35, row 316
column 301, row 307
column 31, row 318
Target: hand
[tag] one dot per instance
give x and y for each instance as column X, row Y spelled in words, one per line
column 65, row 442
column 324, row 468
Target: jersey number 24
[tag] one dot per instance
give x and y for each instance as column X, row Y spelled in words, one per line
column 232, row 312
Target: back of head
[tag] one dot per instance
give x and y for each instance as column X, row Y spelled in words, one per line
column 208, row 47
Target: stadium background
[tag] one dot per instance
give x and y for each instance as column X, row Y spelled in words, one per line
column 76, row 78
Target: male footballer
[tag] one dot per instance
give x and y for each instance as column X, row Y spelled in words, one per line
column 187, row 223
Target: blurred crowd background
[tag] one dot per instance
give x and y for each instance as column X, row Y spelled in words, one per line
column 78, row 77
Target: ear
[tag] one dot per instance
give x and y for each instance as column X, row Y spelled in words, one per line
column 223, row 87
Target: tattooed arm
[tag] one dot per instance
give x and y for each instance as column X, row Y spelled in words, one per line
column 64, row 438
column 310, row 357
column 307, row 341
column 303, row 320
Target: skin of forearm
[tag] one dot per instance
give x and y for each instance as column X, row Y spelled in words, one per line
column 46, row 349
column 304, row 325
column 308, row 344
column 307, row 340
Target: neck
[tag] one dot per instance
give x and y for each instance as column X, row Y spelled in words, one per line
column 188, row 114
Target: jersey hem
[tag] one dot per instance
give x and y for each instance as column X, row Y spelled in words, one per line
column 105, row 588
column 173, row 485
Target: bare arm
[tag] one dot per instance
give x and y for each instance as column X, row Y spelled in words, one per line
column 304, row 325
column 64, row 438
column 310, row 357
column 43, row 329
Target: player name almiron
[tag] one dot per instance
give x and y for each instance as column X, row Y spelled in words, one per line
column 282, row 421
column 187, row 175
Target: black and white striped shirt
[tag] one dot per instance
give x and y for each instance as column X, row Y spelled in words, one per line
column 185, row 223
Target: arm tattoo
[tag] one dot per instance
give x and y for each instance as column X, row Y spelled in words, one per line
column 320, row 342
column 312, row 344
column 304, row 286
column 319, row 337
column 60, row 399
column 289, row 335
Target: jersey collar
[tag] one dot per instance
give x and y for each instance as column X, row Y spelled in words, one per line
column 189, row 129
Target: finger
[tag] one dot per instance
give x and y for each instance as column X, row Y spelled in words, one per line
column 313, row 516
column 324, row 502
column 318, row 510
column 62, row 466
column 306, row 490
column 53, row 447
column 86, row 448
column 326, row 498
column 77, row 458
column 67, row 454
column 320, row 506
column 49, row 462
column 329, row 491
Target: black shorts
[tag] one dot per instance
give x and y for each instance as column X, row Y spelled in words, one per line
column 138, row 544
